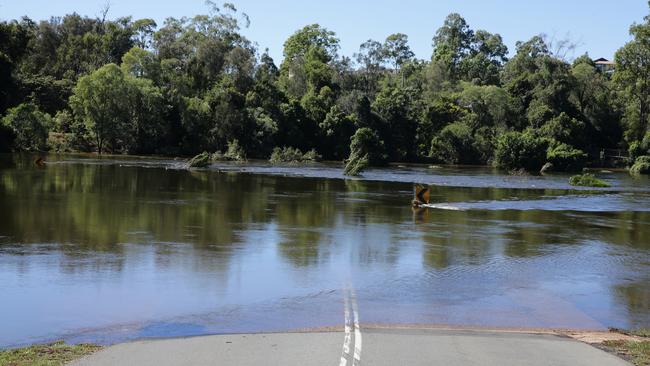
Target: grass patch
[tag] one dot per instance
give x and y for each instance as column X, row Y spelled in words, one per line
column 53, row 354
column 641, row 332
column 638, row 353
column 588, row 180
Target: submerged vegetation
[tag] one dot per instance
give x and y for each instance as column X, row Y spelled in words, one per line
column 641, row 165
column 76, row 83
column 293, row 156
column 588, row 180
column 53, row 354
column 201, row 160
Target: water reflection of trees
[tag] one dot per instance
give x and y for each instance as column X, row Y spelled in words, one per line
column 99, row 207
column 635, row 297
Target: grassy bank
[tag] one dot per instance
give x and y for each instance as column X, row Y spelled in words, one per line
column 637, row 352
column 53, row 354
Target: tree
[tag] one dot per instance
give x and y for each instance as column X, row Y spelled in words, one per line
column 452, row 43
column 98, row 101
column 632, row 76
column 455, row 145
column 120, row 112
column 371, row 58
column 29, row 126
column 397, row 50
column 307, row 57
column 366, row 149
column 517, row 150
column 311, row 36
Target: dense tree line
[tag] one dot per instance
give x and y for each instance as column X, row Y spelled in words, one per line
column 196, row 84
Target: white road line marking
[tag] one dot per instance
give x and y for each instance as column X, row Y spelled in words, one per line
column 348, row 329
column 357, row 330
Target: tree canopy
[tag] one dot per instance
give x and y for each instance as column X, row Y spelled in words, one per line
column 196, row 84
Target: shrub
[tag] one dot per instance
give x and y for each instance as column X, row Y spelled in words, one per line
column 588, row 180
column 29, row 126
column 454, row 145
column 520, row 150
column 641, row 165
column 356, row 165
column 292, row 156
column 566, row 158
column 234, row 153
column 366, row 149
column 200, row 161
column 564, row 129
column 639, row 148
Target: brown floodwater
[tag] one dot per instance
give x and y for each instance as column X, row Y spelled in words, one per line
column 118, row 248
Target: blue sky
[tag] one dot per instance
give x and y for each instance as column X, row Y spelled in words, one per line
column 600, row 27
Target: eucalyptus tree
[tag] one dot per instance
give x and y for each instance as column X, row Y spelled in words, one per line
column 632, row 77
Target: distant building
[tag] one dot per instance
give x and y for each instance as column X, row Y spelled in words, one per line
column 605, row 65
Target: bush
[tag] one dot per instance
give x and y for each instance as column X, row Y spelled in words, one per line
column 356, row 165
column 566, row 158
column 29, row 126
column 639, row 148
column 564, row 129
column 588, row 180
column 200, row 161
column 234, row 153
column 520, row 150
column 366, row 149
column 641, row 165
column 292, row 156
column 454, row 145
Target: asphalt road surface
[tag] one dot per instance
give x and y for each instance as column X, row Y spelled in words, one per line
column 356, row 346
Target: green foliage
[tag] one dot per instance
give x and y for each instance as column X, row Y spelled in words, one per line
column 201, row 160
column 293, row 156
column 566, row 158
column 197, row 84
column 366, row 149
column 468, row 55
column 641, row 165
column 565, row 129
column 119, row 112
column 640, row 148
column 632, row 77
column 455, row 145
column 356, row 165
column 588, row 180
column 29, row 127
column 234, row 153
column 517, row 150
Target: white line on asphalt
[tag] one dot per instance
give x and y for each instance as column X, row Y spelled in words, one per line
column 357, row 330
column 348, row 329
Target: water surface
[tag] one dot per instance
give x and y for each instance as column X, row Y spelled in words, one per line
column 107, row 250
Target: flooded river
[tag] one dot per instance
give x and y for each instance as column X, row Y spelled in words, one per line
column 108, row 250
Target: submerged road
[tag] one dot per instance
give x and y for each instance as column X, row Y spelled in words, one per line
column 381, row 347
column 355, row 346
